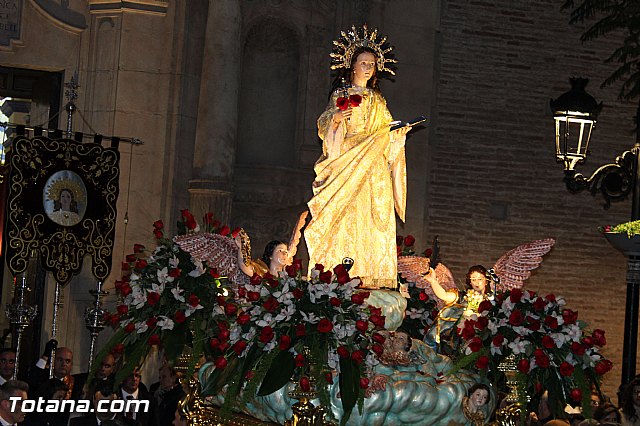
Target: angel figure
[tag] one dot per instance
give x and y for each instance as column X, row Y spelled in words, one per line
column 231, row 256
column 510, row 271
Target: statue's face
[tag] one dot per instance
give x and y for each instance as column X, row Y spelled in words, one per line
column 479, row 397
column 65, row 200
column 364, row 68
column 280, row 256
column 478, row 281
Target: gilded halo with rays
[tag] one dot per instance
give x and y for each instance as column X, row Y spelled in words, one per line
column 361, row 37
column 58, row 185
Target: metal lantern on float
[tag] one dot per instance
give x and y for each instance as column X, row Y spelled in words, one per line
column 575, row 114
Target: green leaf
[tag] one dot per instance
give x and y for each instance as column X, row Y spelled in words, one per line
column 279, row 373
column 349, row 381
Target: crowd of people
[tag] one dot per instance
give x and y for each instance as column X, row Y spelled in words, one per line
column 99, row 401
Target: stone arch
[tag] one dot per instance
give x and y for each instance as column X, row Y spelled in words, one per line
column 268, row 98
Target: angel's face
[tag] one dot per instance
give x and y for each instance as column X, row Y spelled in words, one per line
column 478, row 281
column 279, row 257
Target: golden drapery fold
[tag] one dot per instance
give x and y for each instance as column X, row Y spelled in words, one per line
column 360, row 181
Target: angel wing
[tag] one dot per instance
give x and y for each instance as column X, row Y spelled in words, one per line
column 413, row 268
column 515, row 266
column 292, row 247
column 218, row 251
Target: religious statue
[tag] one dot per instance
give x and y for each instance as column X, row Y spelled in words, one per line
column 361, row 174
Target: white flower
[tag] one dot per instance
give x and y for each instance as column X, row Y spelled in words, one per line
column 156, row 288
column 518, row 346
column 310, row 318
column 286, row 313
column 269, row 346
column 414, row 313
column 199, row 270
column 177, row 293
column 141, row 327
column 191, row 309
column 165, row 323
column 333, row 360
column 163, row 276
column 267, row 320
column 372, row 360
column 218, row 310
column 137, row 298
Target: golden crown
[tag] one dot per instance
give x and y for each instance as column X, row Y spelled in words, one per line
column 356, row 38
column 71, row 185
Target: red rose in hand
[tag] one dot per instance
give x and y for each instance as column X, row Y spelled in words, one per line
column 482, row 362
column 566, row 369
column 524, row 366
column 342, row 103
column 355, row 100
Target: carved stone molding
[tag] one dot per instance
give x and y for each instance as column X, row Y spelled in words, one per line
column 140, row 6
column 60, row 15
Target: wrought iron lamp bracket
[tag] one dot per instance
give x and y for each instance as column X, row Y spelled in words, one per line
column 614, row 181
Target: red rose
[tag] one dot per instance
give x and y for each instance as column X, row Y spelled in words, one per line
column 598, row 337
column 301, row 330
column 151, row 322
column 577, row 348
column 208, row 218
column 603, row 367
column 325, row 326
column 551, row 322
column 141, row 264
column 117, row 349
column 225, row 231
column 285, row 342
column 533, row 324
column 378, row 338
column 377, row 320
column 158, row 234
column 497, row 340
column 343, row 352
column 300, row 360
column 123, row 309
column 482, row 323
column 158, row 225
column 377, row 349
column 153, row 298
column 138, row 248
column 515, row 295
column 297, row 263
column 539, row 304
column 468, row 330
column 354, row 100
column 516, row 319
column 297, row 293
column 409, row 240
column 475, row 344
column 542, row 360
column 305, row 384
column 547, row 342
column 230, row 309
column 291, row 270
column 362, row 326
column 538, row 387
column 342, row 103
column 129, row 328
column 255, row 279
column 154, row 339
column 235, row 232
column 319, row 267
column 576, row 394
column 329, row 378
column 243, row 318
column 358, row 298
column 428, row 252
column 220, row 362
column 485, row 305
column 194, row 300
column 266, row 334
column 423, row 296
column 271, row 304
column 179, row 317
column 587, row 341
column 239, row 347
column 566, row 369
column 174, row 272
column 482, row 362
column 131, row 258
column 214, row 273
column 357, row 356
column 253, row 296
column 125, row 289
column 364, row 382
column 524, row 366
column 224, row 334
column 569, row 316
column 334, row 301
column 214, row 343
column 550, row 297
column 325, row 277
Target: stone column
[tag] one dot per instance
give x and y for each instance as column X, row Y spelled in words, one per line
column 211, row 188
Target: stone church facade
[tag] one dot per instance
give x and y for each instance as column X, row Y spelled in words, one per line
column 224, row 95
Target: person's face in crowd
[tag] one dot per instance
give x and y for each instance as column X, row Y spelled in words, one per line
column 106, row 367
column 279, row 257
column 131, row 383
column 18, row 415
column 65, row 200
column 63, row 362
column 97, row 397
column 59, row 395
column 478, row 281
column 167, row 379
column 595, row 400
column 364, row 68
column 478, row 398
column 7, row 364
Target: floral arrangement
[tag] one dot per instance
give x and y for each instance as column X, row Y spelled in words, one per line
column 630, row 228
column 344, row 102
column 420, row 314
column 552, row 349
column 258, row 336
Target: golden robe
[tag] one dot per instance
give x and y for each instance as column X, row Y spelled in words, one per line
column 360, row 177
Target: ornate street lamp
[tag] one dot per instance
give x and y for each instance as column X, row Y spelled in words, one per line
column 575, row 115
